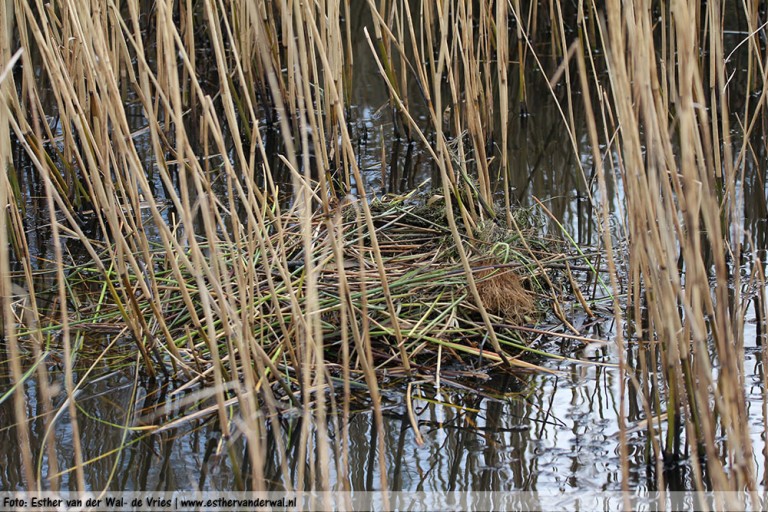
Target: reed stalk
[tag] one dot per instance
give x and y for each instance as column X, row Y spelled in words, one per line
column 674, row 215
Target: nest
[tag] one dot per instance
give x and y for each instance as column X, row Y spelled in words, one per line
column 425, row 313
column 425, row 275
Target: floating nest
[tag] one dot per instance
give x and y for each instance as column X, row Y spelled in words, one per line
column 335, row 286
column 428, row 287
column 418, row 243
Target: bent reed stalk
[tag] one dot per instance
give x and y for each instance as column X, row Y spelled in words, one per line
column 264, row 297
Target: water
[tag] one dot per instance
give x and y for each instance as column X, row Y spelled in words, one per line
column 500, row 432
column 515, row 432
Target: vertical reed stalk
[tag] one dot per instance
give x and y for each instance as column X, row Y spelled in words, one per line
column 674, row 212
column 8, row 204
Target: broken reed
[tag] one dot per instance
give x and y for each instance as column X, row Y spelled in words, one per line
column 287, row 62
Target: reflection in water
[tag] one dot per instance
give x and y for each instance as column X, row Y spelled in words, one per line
column 531, row 432
column 516, row 432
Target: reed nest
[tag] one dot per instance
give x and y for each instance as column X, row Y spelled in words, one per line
column 435, row 314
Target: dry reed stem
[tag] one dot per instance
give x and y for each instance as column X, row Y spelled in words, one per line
column 670, row 204
column 443, row 160
column 7, row 203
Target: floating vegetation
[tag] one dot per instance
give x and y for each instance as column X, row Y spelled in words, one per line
column 436, row 322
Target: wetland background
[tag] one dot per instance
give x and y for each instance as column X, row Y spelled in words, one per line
column 254, row 245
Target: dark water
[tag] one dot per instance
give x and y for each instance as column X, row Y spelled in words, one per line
column 516, row 432
column 498, row 432
column 534, row 432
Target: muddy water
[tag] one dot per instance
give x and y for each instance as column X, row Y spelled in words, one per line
column 499, row 432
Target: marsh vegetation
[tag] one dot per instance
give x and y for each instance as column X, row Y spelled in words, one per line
column 204, row 201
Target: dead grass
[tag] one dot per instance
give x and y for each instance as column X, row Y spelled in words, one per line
column 503, row 293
